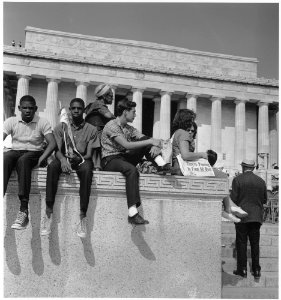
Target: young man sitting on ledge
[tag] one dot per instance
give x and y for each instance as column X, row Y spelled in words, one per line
column 123, row 146
column 28, row 133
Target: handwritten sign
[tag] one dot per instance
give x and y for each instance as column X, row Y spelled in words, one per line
column 200, row 167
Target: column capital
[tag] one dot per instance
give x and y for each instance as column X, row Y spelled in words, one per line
column 53, row 79
column 137, row 89
column 77, row 83
column 156, row 99
column 169, row 93
column 28, row 77
column 238, row 100
column 215, row 98
column 189, row 95
column 261, row 103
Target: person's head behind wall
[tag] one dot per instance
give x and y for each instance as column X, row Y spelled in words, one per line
column 248, row 165
column 27, row 107
column 127, row 109
column 212, row 157
column 184, row 119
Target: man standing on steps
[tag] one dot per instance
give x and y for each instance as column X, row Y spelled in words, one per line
column 249, row 192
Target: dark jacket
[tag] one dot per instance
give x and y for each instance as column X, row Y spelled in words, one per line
column 249, row 192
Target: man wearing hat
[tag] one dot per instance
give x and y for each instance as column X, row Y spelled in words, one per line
column 249, row 192
column 98, row 114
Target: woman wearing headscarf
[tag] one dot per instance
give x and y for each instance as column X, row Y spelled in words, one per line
column 98, row 114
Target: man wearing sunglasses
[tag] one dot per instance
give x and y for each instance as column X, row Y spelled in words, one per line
column 86, row 140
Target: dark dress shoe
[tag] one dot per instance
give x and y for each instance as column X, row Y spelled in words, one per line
column 242, row 273
column 137, row 220
column 257, row 274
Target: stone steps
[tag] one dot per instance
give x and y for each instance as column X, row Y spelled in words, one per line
column 236, row 287
column 250, row 293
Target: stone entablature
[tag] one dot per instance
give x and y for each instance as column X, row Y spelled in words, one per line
column 138, row 53
column 40, row 66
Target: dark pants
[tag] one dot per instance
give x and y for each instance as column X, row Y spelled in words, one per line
column 85, row 175
column 24, row 161
column 243, row 231
column 126, row 164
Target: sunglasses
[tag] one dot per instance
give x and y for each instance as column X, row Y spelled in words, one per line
column 190, row 130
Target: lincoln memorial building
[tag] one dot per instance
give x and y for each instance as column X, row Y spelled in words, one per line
column 237, row 112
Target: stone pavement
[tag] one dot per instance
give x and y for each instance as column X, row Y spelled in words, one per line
column 236, row 287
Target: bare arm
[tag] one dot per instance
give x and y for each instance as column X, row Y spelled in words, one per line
column 139, row 144
column 187, row 155
column 50, row 148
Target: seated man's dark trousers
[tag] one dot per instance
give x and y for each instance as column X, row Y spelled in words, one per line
column 85, row 175
column 243, row 231
column 126, row 164
column 23, row 161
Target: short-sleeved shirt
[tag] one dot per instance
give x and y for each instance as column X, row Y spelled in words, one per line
column 96, row 114
column 84, row 134
column 113, row 129
column 181, row 135
column 27, row 136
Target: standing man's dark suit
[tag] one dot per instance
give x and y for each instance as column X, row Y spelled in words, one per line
column 249, row 192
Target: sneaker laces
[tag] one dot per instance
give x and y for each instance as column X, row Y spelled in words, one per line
column 21, row 217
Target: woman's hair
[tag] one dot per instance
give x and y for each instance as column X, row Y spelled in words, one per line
column 124, row 104
column 184, row 119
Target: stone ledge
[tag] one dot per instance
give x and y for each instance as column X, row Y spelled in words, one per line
column 151, row 186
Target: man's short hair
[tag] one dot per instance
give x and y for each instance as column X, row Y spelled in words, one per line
column 28, row 98
column 124, row 104
column 79, row 100
column 212, row 157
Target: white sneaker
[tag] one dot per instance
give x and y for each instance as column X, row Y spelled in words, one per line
column 82, row 228
column 46, row 225
column 238, row 211
column 21, row 221
column 230, row 217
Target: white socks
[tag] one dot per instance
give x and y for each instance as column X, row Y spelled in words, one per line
column 132, row 210
column 159, row 161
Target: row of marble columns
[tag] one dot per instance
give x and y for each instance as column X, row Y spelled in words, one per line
column 162, row 114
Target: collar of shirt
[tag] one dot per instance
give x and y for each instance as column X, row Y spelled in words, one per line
column 80, row 126
column 34, row 120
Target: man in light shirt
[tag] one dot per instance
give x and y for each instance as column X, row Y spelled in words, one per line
column 28, row 132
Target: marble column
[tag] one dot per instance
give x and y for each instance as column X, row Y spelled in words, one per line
column 81, row 91
column 137, row 98
column 156, row 119
column 52, row 105
column 263, row 135
column 165, row 115
column 240, row 127
column 22, row 90
column 112, row 106
column 191, row 102
column 216, row 125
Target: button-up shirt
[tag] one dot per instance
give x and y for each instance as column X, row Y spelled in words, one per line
column 113, row 129
column 27, row 136
column 83, row 134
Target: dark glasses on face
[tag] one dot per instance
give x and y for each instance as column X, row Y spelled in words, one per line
column 190, row 130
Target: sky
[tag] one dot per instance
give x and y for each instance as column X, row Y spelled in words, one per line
column 240, row 29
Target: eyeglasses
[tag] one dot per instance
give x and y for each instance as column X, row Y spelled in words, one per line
column 190, row 130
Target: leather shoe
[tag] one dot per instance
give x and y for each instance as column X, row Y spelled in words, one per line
column 257, row 274
column 137, row 219
column 242, row 273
